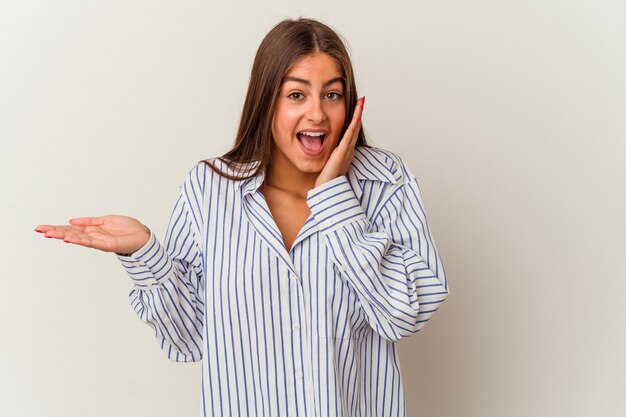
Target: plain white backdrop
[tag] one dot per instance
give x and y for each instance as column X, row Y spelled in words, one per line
column 511, row 114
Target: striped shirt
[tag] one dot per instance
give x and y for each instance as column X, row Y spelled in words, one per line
column 306, row 332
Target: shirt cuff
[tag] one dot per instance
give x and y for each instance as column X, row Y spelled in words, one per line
column 334, row 204
column 148, row 266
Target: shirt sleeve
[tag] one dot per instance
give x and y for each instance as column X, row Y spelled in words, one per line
column 168, row 290
column 391, row 261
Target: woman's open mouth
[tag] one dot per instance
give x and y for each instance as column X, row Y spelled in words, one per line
column 311, row 143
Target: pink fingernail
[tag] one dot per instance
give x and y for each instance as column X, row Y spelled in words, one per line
column 49, row 237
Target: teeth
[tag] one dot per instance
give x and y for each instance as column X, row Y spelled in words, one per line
column 312, row 133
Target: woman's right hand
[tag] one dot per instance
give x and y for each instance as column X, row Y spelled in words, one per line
column 120, row 234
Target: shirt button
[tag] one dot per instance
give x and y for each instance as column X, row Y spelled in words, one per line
column 294, row 277
column 344, row 267
column 299, row 375
column 296, row 326
column 329, row 223
column 315, row 200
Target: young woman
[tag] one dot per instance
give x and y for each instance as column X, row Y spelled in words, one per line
column 293, row 263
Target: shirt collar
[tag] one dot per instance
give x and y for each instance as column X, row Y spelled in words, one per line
column 368, row 164
column 251, row 184
column 373, row 164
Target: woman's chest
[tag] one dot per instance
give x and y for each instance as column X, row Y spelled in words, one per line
column 288, row 213
column 272, row 259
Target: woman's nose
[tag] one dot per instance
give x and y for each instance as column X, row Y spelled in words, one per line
column 315, row 111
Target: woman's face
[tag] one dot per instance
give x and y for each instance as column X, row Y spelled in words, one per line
column 310, row 113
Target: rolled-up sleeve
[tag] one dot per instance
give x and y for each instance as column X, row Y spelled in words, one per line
column 390, row 259
column 168, row 290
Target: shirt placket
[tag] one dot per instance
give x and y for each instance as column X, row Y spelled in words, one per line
column 302, row 372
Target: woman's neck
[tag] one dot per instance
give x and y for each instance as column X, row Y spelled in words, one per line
column 283, row 175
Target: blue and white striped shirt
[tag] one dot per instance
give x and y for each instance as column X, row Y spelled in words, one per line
column 309, row 332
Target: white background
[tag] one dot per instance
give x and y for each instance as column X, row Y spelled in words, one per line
column 512, row 114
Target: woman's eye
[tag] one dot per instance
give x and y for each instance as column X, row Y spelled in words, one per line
column 333, row 96
column 296, row 96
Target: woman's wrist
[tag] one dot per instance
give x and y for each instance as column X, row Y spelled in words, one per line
column 140, row 246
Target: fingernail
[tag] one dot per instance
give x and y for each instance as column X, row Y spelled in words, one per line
column 49, row 237
column 358, row 119
column 363, row 103
column 38, row 231
column 66, row 241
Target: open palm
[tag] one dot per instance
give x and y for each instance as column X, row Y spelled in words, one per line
column 110, row 233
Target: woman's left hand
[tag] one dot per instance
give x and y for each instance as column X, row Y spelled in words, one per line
column 342, row 155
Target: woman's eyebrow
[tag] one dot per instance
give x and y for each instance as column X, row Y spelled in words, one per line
column 307, row 82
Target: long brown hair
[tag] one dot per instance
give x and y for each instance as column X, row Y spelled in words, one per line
column 289, row 41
